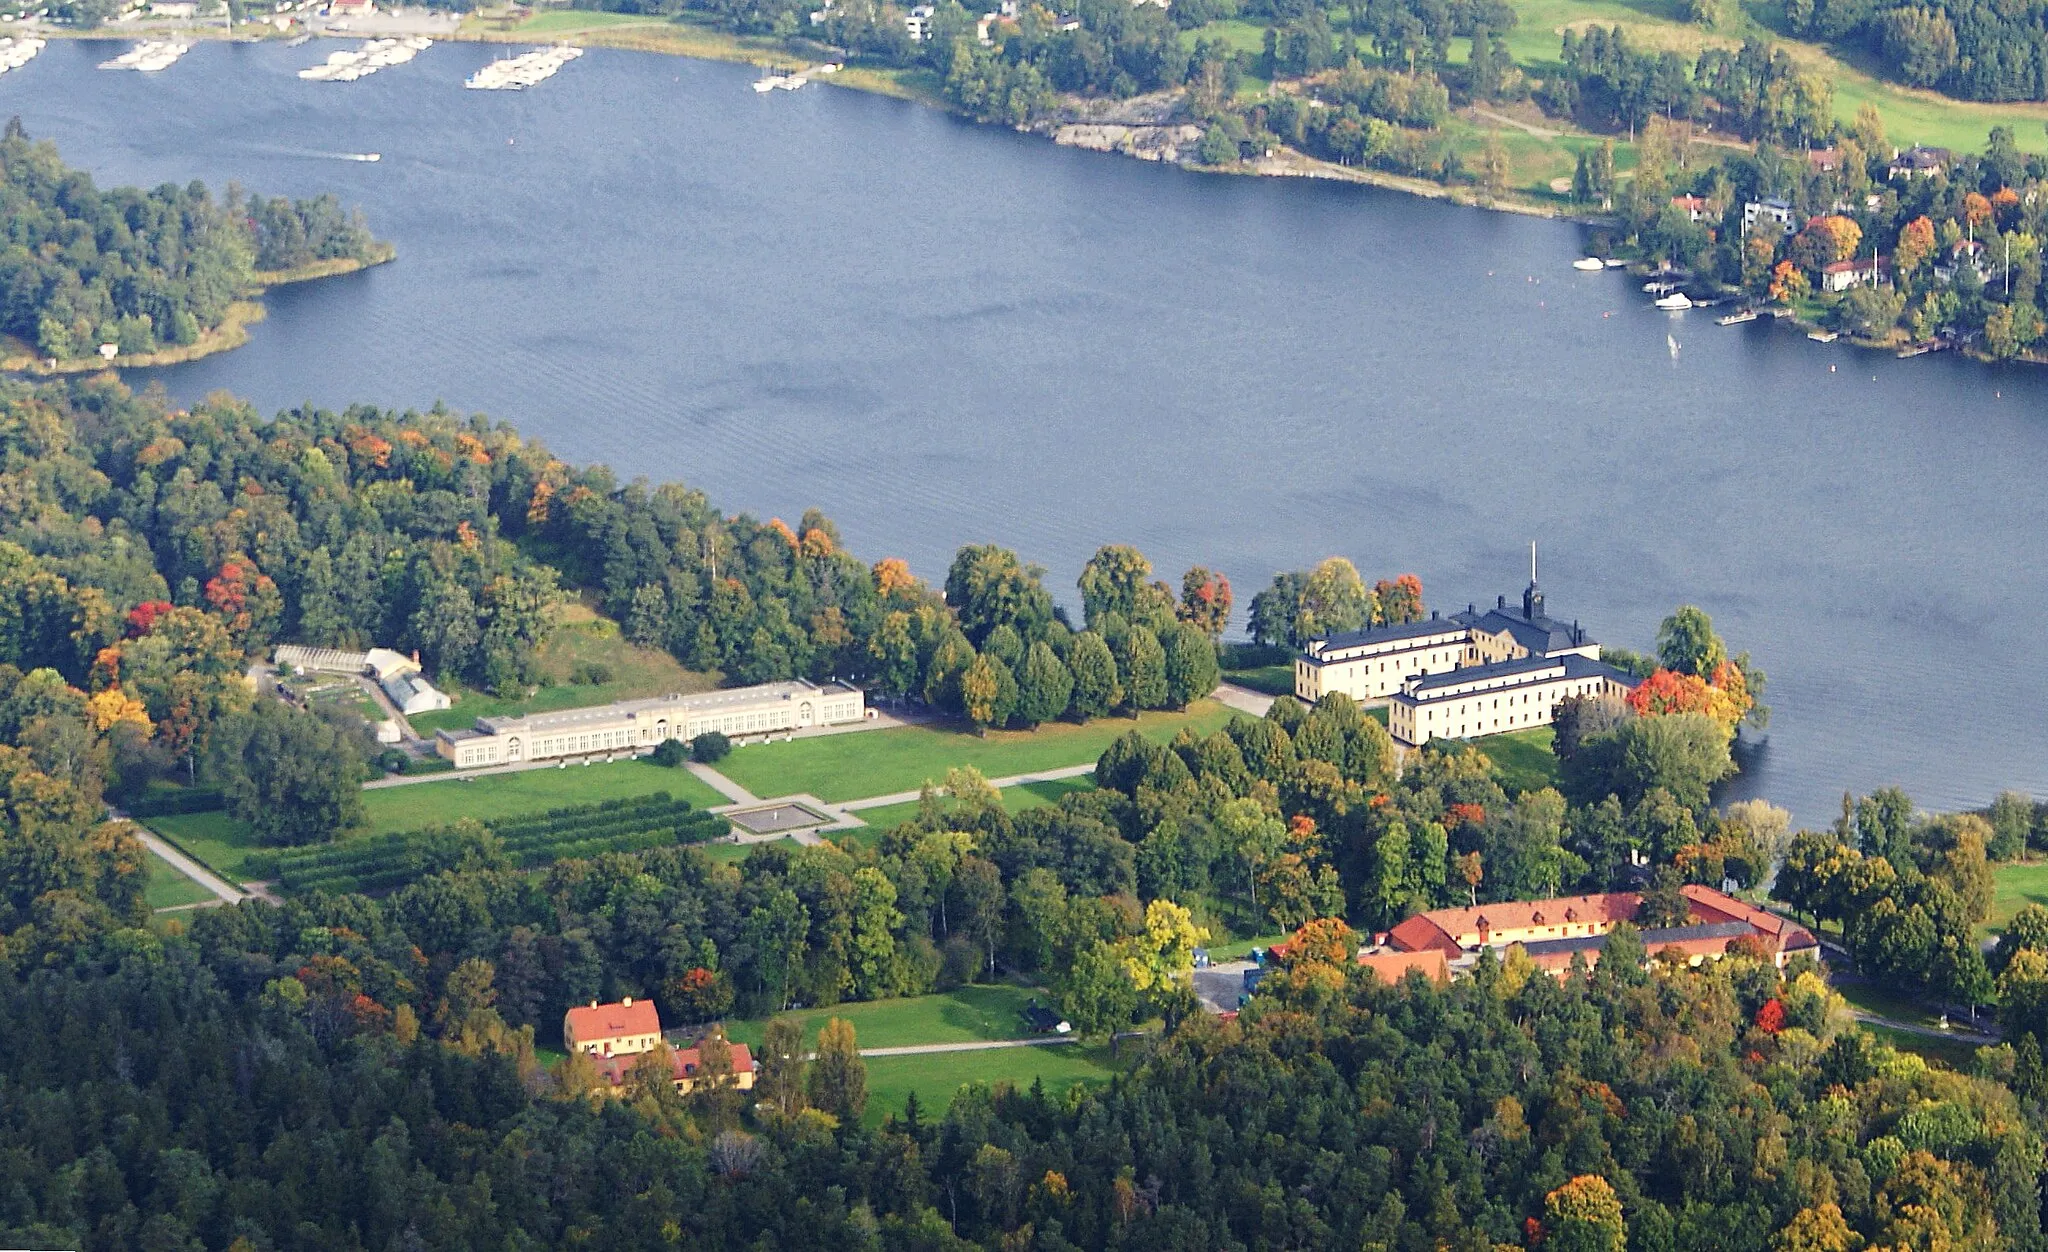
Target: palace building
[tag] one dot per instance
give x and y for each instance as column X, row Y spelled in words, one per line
column 634, row 726
column 1473, row 673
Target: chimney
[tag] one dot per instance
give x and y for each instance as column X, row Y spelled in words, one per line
column 628, row 1002
column 593, row 1004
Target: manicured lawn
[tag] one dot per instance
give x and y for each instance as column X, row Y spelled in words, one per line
column 489, row 796
column 1953, row 1053
column 216, row 840
column 1874, row 999
column 2014, row 886
column 964, row 1015
column 581, row 639
column 1274, row 680
column 1240, row 949
column 1524, row 756
column 879, row 762
column 937, row 1077
column 1016, row 799
column 734, row 853
column 169, row 889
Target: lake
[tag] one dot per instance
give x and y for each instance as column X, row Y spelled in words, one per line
column 942, row 334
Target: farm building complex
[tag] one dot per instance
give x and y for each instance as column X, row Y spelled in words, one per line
column 632, row 726
column 615, row 1037
column 1473, row 673
column 398, row 674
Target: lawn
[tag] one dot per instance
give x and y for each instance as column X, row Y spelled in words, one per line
column 2014, row 886
column 966, row 1015
column 216, row 840
column 490, row 796
column 1874, row 999
column 581, row 640
column 939, row 1076
column 1953, row 1053
column 169, row 889
column 1524, row 756
column 1016, row 799
column 1274, row 680
column 881, row 762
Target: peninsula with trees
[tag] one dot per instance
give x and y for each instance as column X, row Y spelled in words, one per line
column 92, row 278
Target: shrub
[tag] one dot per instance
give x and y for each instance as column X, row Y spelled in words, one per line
column 670, row 752
column 710, row 747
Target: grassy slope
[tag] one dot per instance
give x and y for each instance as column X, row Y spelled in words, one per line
column 530, row 791
column 936, row 1078
column 965, row 1015
column 218, row 841
column 581, row 638
column 880, row 762
column 1524, row 756
column 1015, row 799
column 168, row 888
column 2015, row 886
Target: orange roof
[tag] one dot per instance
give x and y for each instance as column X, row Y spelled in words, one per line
column 592, row 1023
column 1605, row 908
column 1392, row 967
column 1709, row 905
column 684, row 1061
column 1421, row 934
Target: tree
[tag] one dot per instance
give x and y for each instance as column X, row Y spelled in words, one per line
column 1819, row 1229
column 779, row 1070
column 1205, row 601
column 875, row 919
column 978, row 890
column 1687, row 644
column 291, row 775
column 1663, row 903
column 1915, row 245
column 1115, row 581
column 1097, row 995
column 1683, row 753
column 1191, row 669
column 1096, row 689
column 1163, row 953
column 1045, row 687
column 1141, row 669
column 1333, row 599
column 1584, row 1215
column 838, row 1079
column 989, row 587
column 988, row 693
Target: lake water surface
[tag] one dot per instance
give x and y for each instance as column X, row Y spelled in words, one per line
column 942, row 334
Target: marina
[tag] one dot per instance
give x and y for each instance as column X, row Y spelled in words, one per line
column 149, row 56
column 518, row 73
column 351, row 64
column 15, row 53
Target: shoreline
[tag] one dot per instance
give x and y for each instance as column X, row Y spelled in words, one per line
column 232, row 332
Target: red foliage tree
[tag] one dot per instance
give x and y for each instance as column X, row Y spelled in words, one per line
column 1771, row 1017
column 142, row 618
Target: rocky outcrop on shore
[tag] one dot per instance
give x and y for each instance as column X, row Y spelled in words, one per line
column 1151, row 127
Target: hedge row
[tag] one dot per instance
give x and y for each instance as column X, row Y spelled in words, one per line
column 165, row 801
column 385, row 862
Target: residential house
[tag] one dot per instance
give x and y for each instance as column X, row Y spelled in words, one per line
column 1920, row 163
column 1694, row 207
column 1842, row 275
column 918, row 22
column 626, row 1028
column 686, row 1067
column 1823, row 160
column 1768, row 215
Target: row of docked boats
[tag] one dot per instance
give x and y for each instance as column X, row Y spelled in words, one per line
column 15, row 53
column 521, row 72
column 375, row 54
column 149, row 56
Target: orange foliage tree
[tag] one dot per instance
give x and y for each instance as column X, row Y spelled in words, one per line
column 1915, row 245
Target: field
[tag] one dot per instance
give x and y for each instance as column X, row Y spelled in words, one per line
column 489, row 796
column 169, row 889
column 216, row 840
column 939, row 1076
column 1016, row 799
column 1953, row 1053
column 581, row 639
column 2015, row 885
column 881, row 762
column 1273, row 680
column 1524, row 756
column 966, row 1015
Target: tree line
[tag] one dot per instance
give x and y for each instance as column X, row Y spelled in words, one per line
column 81, row 267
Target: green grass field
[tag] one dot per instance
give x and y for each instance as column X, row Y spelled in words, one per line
column 938, row 1077
column 169, row 889
column 1274, row 680
column 1524, row 756
column 490, row 796
column 1875, row 999
column 881, row 762
column 1953, row 1053
column 216, row 840
column 581, row 639
column 965, row 1015
column 1016, row 799
column 2015, row 885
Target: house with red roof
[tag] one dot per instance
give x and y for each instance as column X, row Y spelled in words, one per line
column 626, row 1028
column 686, row 1064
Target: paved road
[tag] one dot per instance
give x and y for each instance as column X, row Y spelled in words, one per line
column 226, row 892
column 1243, row 699
column 721, row 784
column 979, row 1045
column 1014, row 780
column 1960, row 1034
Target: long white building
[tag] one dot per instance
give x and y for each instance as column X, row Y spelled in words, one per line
column 632, row 726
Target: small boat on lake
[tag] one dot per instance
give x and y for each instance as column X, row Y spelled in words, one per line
column 1676, row 302
column 1659, row 288
column 770, row 83
column 1589, row 264
column 1823, row 336
column 1737, row 319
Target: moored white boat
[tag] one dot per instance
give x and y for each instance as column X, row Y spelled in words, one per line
column 1675, row 302
column 1588, row 263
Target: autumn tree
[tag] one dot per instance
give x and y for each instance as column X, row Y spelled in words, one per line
column 1205, row 601
column 838, row 1079
column 1583, row 1215
column 1096, row 688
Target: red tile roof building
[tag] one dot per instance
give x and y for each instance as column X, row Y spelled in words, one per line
column 626, row 1028
column 1552, row 932
column 687, row 1064
column 1392, row 967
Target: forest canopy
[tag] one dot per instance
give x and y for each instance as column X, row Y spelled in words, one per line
column 81, row 267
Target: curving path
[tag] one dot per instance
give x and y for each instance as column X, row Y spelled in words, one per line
column 224, row 891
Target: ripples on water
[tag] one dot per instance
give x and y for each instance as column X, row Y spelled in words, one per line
column 945, row 334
